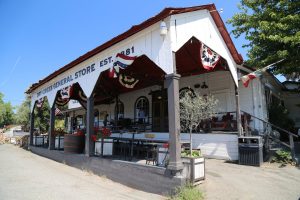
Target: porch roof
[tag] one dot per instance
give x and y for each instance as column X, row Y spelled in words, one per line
column 137, row 28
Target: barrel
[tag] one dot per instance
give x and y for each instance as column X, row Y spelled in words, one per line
column 73, row 143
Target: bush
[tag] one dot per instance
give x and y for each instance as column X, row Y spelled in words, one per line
column 283, row 157
column 187, row 192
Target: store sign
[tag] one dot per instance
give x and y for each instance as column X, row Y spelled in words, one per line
column 89, row 69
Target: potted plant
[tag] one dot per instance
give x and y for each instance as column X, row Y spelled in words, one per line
column 103, row 144
column 193, row 166
column 194, row 109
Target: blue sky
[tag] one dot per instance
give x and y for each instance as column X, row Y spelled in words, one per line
column 39, row 37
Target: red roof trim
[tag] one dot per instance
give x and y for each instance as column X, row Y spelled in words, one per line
column 137, row 28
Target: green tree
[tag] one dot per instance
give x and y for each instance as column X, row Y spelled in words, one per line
column 42, row 117
column 273, row 30
column 22, row 114
column 6, row 112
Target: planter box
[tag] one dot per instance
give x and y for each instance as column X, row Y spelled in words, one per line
column 39, row 140
column 162, row 156
column 59, row 141
column 194, row 169
column 107, row 147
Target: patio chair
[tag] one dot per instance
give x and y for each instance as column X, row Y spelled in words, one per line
column 151, row 155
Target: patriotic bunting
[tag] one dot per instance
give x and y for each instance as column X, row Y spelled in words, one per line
column 209, row 58
column 121, row 61
column 127, row 81
column 40, row 102
column 66, row 92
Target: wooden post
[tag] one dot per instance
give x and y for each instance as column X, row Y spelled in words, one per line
column 31, row 127
column 292, row 146
column 175, row 164
column 246, row 124
column 51, row 135
column 172, row 83
column 238, row 112
column 89, row 144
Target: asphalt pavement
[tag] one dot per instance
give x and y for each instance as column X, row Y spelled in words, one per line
column 24, row 175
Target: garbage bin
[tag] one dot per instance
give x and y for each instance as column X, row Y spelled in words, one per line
column 250, row 151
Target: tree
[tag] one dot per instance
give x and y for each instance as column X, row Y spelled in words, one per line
column 22, row 114
column 273, row 30
column 194, row 109
column 6, row 112
column 42, row 117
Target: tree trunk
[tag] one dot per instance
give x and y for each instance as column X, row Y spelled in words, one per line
column 191, row 143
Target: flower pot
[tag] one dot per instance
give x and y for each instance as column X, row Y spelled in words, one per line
column 74, row 143
column 107, row 147
column 194, row 169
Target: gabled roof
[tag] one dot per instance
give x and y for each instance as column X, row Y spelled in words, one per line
column 137, row 28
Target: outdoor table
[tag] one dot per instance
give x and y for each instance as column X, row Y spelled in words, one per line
column 144, row 141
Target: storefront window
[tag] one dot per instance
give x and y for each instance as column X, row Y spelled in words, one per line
column 142, row 109
column 119, row 110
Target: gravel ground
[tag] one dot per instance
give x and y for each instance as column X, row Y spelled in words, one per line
column 232, row 181
column 24, row 175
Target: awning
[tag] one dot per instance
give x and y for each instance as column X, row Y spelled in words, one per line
column 194, row 57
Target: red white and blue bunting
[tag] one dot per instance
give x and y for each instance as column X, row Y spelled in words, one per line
column 209, row 58
column 40, row 102
column 66, row 92
column 121, row 62
column 127, row 81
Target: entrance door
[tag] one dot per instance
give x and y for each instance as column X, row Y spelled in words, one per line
column 160, row 122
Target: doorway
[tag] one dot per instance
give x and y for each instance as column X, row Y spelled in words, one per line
column 160, row 120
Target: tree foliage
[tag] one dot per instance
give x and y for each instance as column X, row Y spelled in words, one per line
column 6, row 112
column 273, row 30
column 22, row 114
column 42, row 117
column 195, row 108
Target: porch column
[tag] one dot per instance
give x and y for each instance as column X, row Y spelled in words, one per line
column 89, row 144
column 51, row 129
column 31, row 127
column 238, row 112
column 172, row 83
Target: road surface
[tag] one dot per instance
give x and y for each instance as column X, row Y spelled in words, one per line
column 24, row 175
column 233, row 181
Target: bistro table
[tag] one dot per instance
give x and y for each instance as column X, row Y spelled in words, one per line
column 142, row 141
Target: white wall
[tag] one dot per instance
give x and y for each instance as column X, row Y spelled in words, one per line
column 220, row 84
column 201, row 25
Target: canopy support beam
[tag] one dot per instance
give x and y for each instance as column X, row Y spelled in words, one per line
column 89, row 144
column 51, row 134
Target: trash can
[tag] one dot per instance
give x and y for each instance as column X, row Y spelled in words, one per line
column 250, row 151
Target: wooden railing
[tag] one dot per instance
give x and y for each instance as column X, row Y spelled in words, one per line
column 268, row 128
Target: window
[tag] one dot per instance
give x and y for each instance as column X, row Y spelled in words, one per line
column 186, row 90
column 119, row 110
column 141, row 110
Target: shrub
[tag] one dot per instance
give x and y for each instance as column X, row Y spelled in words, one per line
column 283, row 157
column 187, row 192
